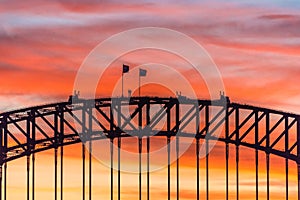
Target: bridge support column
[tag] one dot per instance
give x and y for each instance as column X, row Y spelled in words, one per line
column 1, row 181
column 61, row 141
column 28, row 179
column 177, row 167
column 268, row 175
column 1, row 161
column 298, row 154
column 286, row 122
column 237, row 129
column 5, row 181
column 207, row 171
column 90, row 169
column 5, row 141
column 256, row 154
column 169, row 168
column 198, row 174
column 119, row 111
column 140, row 168
column 227, row 171
column 286, row 179
column 148, row 168
column 3, row 178
column 207, row 149
column 298, row 167
column 227, row 152
column 268, row 154
column 55, row 173
column 119, row 168
column 237, row 173
column 256, row 173
column 55, row 153
column 148, row 150
column 111, row 168
column 33, row 175
column 61, row 171
column 83, row 170
column 140, row 141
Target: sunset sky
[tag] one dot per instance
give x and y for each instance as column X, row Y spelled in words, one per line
column 254, row 44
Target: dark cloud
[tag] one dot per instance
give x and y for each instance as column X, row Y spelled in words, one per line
column 6, row 67
column 278, row 16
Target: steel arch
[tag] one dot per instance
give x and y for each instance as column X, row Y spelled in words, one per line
column 27, row 131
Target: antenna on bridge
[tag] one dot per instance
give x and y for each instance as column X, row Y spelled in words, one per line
column 223, row 97
column 75, row 96
column 178, row 94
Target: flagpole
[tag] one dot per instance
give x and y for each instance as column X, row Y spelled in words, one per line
column 122, row 83
column 139, row 82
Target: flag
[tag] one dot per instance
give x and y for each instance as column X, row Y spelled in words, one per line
column 143, row 72
column 125, row 68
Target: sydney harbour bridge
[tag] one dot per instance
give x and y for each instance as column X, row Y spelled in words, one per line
column 29, row 131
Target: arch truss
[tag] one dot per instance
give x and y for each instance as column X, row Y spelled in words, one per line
column 28, row 131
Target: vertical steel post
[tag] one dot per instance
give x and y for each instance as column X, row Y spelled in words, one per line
column 197, row 149
column 298, row 155
column 2, row 158
column 207, row 171
column 1, row 175
column 55, row 153
column 111, row 168
column 83, row 170
column 119, row 168
column 61, row 139
column 33, row 154
column 237, row 150
column 119, row 148
column 198, row 174
column 83, row 138
column 61, row 172
column 169, row 150
column 268, row 154
column 268, row 175
column 90, row 131
column 286, row 124
column 140, row 167
column 169, row 168
column 256, row 154
column 286, row 179
column 111, row 153
column 33, row 175
column 28, row 132
column 237, row 173
column 28, row 175
column 148, row 168
column 207, row 149
column 177, row 168
column 5, row 151
column 5, row 180
column 90, row 169
column 227, row 152
column 140, row 140
column 148, row 150
column 177, row 151
column 55, row 173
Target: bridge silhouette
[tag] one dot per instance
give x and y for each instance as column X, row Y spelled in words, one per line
column 28, row 131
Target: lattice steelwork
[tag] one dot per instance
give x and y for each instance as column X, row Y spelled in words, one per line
column 28, row 131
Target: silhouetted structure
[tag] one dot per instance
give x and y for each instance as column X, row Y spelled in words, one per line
column 117, row 126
